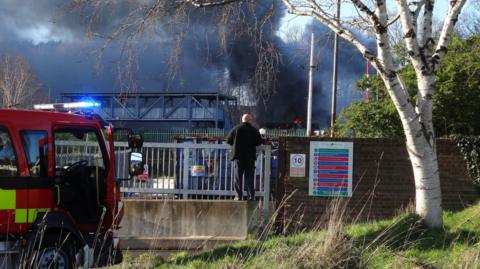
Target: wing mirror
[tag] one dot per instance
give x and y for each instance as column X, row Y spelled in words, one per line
column 135, row 141
column 136, row 163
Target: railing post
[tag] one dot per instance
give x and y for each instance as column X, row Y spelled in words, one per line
column 186, row 158
column 266, row 185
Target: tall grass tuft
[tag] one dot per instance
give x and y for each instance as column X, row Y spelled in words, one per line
column 470, row 259
column 334, row 249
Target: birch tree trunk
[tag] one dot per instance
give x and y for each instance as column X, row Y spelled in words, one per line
column 421, row 149
column 425, row 54
column 428, row 195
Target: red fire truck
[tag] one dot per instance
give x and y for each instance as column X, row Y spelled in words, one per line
column 60, row 202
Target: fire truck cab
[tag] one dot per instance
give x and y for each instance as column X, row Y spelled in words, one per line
column 60, row 203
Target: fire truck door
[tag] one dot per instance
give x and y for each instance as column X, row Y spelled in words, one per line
column 22, row 197
column 38, row 192
column 79, row 156
column 8, row 170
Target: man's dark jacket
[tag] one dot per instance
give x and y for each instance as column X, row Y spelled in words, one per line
column 244, row 138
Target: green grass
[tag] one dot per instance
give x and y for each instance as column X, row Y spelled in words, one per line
column 402, row 242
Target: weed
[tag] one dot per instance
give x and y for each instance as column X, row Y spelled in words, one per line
column 334, row 249
column 470, row 259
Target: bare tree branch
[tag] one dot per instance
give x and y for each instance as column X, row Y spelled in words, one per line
column 410, row 36
column 446, row 33
column 393, row 20
column 336, row 27
column 232, row 18
column 17, row 82
column 364, row 8
column 206, row 3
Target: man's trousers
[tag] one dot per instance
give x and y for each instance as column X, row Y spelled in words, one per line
column 244, row 168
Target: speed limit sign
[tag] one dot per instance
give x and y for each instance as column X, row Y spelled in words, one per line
column 297, row 165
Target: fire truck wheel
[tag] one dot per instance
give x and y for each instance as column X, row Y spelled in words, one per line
column 55, row 253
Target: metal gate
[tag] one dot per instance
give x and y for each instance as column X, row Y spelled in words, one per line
column 179, row 170
column 176, row 170
column 186, row 170
column 190, row 171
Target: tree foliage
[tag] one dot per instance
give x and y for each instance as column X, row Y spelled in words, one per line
column 455, row 105
column 470, row 148
column 373, row 119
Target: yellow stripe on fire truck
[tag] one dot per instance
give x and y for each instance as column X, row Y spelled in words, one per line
column 8, row 201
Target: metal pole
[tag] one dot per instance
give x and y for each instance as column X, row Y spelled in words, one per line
column 266, row 186
column 334, row 79
column 186, row 166
column 310, row 89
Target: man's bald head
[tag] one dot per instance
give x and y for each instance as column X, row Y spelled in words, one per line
column 247, row 118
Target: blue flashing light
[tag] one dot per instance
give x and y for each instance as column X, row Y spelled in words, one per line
column 87, row 102
column 82, row 104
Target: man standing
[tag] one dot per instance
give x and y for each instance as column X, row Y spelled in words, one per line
column 244, row 139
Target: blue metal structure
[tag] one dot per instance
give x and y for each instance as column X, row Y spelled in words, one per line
column 143, row 110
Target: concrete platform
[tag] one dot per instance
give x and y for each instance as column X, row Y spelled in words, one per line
column 187, row 224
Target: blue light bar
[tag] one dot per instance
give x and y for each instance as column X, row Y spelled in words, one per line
column 83, row 104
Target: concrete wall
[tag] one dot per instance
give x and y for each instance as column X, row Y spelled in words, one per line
column 186, row 224
column 382, row 181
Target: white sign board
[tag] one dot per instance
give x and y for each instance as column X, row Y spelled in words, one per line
column 331, row 168
column 297, row 165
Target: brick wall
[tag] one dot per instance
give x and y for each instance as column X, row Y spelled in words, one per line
column 382, row 182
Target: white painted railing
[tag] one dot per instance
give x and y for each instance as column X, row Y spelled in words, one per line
column 187, row 170
column 177, row 170
column 191, row 171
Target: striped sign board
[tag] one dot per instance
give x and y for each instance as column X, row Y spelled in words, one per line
column 331, row 168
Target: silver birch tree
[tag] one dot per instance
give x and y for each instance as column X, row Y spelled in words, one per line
column 426, row 51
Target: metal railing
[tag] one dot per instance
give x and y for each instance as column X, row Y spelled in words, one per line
column 69, row 152
column 175, row 170
column 189, row 171
column 170, row 135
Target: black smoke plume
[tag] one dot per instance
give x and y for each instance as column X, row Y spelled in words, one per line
column 65, row 59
